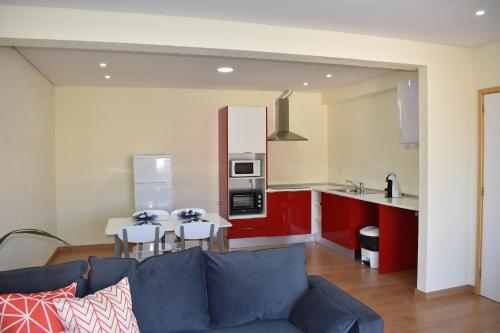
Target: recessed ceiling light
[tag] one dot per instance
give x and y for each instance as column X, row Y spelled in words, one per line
column 480, row 12
column 107, row 76
column 305, row 83
column 328, row 75
column 225, row 69
column 103, row 64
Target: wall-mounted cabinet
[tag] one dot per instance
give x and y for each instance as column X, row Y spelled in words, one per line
column 408, row 112
column 247, row 130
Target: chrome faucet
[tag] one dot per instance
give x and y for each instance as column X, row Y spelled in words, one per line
column 354, row 187
column 361, row 187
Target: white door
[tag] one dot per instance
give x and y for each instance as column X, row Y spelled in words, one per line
column 490, row 271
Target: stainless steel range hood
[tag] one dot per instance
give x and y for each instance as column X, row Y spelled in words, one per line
column 281, row 120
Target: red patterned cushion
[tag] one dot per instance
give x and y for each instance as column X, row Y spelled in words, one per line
column 32, row 312
column 108, row 310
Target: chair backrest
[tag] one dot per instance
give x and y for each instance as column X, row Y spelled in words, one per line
column 196, row 230
column 196, row 210
column 162, row 214
column 141, row 233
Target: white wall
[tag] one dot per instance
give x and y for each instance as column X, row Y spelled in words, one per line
column 363, row 134
column 99, row 129
column 27, row 184
column 446, row 117
column 486, row 75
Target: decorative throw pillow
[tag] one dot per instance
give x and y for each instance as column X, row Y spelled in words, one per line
column 33, row 312
column 108, row 310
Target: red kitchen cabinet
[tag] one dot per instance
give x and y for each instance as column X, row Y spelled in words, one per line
column 343, row 217
column 246, row 228
column 289, row 213
column 398, row 242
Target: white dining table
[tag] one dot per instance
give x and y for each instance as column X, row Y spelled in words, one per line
column 116, row 224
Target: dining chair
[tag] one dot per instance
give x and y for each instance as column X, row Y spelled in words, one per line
column 196, row 231
column 196, row 210
column 147, row 238
column 162, row 214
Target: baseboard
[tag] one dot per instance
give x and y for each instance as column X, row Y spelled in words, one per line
column 444, row 292
column 65, row 249
column 336, row 247
column 269, row 241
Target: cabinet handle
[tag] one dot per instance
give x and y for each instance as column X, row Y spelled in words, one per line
column 247, row 228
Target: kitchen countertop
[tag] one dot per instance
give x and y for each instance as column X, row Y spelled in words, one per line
column 407, row 202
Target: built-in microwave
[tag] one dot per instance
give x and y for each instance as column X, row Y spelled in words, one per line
column 245, row 168
column 245, row 202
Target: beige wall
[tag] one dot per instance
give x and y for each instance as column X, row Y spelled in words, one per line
column 363, row 134
column 99, row 129
column 447, row 141
column 486, row 75
column 27, row 184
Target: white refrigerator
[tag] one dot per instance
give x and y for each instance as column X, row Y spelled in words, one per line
column 153, row 182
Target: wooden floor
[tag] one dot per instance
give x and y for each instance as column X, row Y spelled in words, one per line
column 391, row 295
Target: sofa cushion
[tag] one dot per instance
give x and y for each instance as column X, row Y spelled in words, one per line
column 315, row 312
column 44, row 278
column 274, row 326
column 168, row 291
column 107, row 272
column 260, row 285
column 34, row 312
column 108, row 310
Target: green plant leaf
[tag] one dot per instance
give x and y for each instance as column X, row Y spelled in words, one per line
column 36, row 232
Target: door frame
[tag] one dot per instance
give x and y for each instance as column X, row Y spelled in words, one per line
column 480, row 184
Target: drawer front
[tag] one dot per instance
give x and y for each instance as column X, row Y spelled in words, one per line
column 247, row 228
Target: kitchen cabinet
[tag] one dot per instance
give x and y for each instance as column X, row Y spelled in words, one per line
column 247, row 130
column 408, row 112
column 398, row 240
column 343, row 217
column 289, row 213
column 247, row 228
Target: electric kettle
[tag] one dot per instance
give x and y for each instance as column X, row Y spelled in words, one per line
column 393, row 189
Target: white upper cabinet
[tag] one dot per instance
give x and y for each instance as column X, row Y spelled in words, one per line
column 408, row 112
column 246, row 129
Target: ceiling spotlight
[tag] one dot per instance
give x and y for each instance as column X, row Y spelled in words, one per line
column 103, row 64
column 225, row 69
column 107, row 76
column 328, row 75
column 305, row 83
column 480, row 12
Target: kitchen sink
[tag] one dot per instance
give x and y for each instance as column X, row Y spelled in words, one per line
column 353, row 191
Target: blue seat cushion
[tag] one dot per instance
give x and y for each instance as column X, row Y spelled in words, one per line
column 168, row 291
column 315, row 312
column 260, row 285
column 44, row 278
column 271, row 326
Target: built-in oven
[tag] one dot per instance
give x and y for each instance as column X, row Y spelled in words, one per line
column 245, row 168
column 245, row 202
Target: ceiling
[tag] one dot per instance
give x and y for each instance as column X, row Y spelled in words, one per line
column 443, row 21
column 81, row 68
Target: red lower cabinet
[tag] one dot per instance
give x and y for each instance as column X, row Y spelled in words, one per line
column 398, row 242
column 247, row 228
column 343, row 217
column 289, row 213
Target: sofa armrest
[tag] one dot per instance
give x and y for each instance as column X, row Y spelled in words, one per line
column 368, row 321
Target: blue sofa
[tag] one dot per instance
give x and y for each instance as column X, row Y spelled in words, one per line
column 196, row 291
